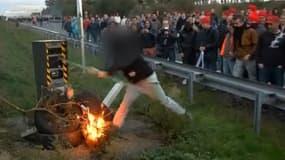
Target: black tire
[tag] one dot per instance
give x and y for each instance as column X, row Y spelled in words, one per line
column 43, row 122
column 46, row 123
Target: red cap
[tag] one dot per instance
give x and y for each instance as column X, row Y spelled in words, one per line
column 262, row 13
column 208, row 13
column 226, row 13
column 272, row 19
column 232, row 10
column 253, row 17
column 205, row 20
column 252, row 7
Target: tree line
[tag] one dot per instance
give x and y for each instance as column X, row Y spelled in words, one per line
column 129, row 7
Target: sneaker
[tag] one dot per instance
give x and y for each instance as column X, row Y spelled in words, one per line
column 184, row 82
column 188, row 115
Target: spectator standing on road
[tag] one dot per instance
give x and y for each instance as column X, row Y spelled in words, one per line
column 270, row 53
column 181, row 22
column 104, row 23
column 75, row 28
column 187, row 43
column 94, row 29
column 245, row 41
column 214, row 18
column 208, row 43
column 222, row 31
column 155, row 24
column 223, row 27
column 67, row 27
column 86, row 23
column 135, row 25
column 124, row 21
column 148, row 40
column 34, row 20
column 166, row 41
column 227, row 49
column 261, row 27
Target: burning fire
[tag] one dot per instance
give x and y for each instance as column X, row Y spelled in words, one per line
column 95, row 127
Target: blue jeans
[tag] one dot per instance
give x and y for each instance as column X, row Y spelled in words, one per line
column 242, row 66
column 228, row 65
column 274, row 75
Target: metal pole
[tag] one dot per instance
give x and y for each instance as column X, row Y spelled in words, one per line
column 80, row 16
column 257, row 111
column 191, row 87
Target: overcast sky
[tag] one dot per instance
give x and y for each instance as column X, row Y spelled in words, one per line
column 13, row 4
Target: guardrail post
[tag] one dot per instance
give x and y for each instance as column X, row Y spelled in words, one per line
column 258, row 111
column 74, row 43
column 191, row 87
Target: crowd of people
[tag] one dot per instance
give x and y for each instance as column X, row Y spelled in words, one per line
column 241, row 43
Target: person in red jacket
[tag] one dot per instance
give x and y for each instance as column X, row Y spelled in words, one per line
column 86, row 23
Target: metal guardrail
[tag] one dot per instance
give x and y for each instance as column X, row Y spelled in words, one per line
column 257, row 92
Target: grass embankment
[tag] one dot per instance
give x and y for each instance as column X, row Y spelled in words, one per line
column 219, row 131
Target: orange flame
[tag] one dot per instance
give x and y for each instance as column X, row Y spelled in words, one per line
column 95, row 128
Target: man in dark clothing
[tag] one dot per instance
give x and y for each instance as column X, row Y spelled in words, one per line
column 209, row 44
column 125, row 57
column 223, row 30
column 270, row 53
column 67, row 26
column 93, row 29
column 155, row 25
column 135, row 25
column 181, row 22
column 187, row 41
column 166, row 41
column 261, row 27
column 104, row 23
column 214, row 18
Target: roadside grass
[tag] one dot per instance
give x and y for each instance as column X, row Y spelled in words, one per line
column 219, row 130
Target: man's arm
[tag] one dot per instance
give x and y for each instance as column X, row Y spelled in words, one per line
column 97, row 72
